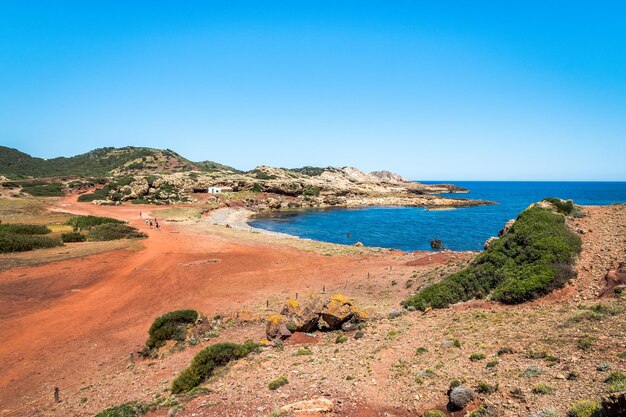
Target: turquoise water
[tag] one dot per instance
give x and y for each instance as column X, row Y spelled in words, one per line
column 409, row 228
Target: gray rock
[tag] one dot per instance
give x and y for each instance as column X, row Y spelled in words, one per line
column 460, row 397
column 359, row 335
column 349, row 326
column 395, row 313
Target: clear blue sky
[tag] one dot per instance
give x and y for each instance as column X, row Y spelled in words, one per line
column 433, row 90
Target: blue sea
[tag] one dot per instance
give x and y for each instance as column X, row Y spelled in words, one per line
column 410, row 228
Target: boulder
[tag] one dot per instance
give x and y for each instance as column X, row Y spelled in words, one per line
column 489, row 241
column 506, row 228
column 338, row 310
column 460, row 397
column 276, row 327
column 303, row 315
column 614, row 405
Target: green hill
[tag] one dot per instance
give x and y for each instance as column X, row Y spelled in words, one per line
column 101, row 162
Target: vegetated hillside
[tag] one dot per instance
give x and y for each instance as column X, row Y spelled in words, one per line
column 102, row 162
column 532, row 259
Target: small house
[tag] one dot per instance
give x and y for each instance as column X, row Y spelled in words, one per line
column 214, row 190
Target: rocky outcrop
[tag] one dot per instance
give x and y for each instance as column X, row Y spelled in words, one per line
column 460, row 397
column 388, row 176
column 311, row 314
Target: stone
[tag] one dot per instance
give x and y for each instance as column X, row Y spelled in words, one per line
column 395, row 313
column 316, row 405
column 460, row 397
column 614, row 405
column 359, row 335
column 338, row 310
column 489, row 241
column 303, row 315
column 506, row 228
column 358, row 244
column 276, row 327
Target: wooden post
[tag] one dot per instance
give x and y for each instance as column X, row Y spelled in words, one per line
column 56, row 395
column 296, row 296
column 324, row 289
column 132, row 358
column 368, row 275
column 267, row 304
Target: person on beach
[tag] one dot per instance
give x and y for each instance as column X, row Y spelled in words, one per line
column 150, row 223
column 156, row 224
column 147, row 221
column 140, row 215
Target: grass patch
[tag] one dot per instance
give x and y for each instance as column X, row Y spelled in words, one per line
column 131, row 409
column 114, row 231
column 542, row 389
column 585, row 408
column 170, row 326
column 486, row 388
column 474, row 357
column 205, row 362
column 21, row 243
column 534, row 258
column 617, row 380
column 278, row 382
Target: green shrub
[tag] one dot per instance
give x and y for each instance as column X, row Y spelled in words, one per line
column 170, row 326
column 531, row 260
column 278, row 382
column 131, row 409
column 73, row 237
column 504, row 351
column 434, row 413
column 21, row 243
column 24, row 229
column 585, row 408
column 87, row 222
column 585, row 343
column 303, row 352
column 543, row 389
column 312, row 192
column 562, row 206
column 617, row 381
column 477, row 357
column 486, row 388
column 492, row 363
column 43, row 189
column 114, row 231
column 205, row 362
column 341, row 339
column 420, row 351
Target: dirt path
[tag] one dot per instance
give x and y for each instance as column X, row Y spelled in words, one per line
column 68, row 318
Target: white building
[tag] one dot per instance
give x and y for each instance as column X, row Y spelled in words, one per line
column 214, row 190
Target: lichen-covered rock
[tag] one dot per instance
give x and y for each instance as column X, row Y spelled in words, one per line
column 338, row 310
column 304, row 314
column 460, row 397
column 276, row 327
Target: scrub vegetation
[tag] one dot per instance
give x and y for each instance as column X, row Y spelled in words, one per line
column 532, row 259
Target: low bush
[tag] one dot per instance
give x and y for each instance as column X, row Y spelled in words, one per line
column 87, row 222
column 131, row 409
column 477, row 357
column 24, row 229
column 534, row 258
column 278, row 382
column 73, row 237
column 562, row 206
column 21, row 243
column 617, row 380
column 43, row 189
column 434, row 413
column 170, row 326
column 585, row 408
column 486, row 388
column 205, row 362
column 505, row 350
column 114, row 231
column 543, row 389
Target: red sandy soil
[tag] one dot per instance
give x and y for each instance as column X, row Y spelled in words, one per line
column 63, row 320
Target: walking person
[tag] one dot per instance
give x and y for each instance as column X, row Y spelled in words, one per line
column 150, row 224
column 140, row 215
